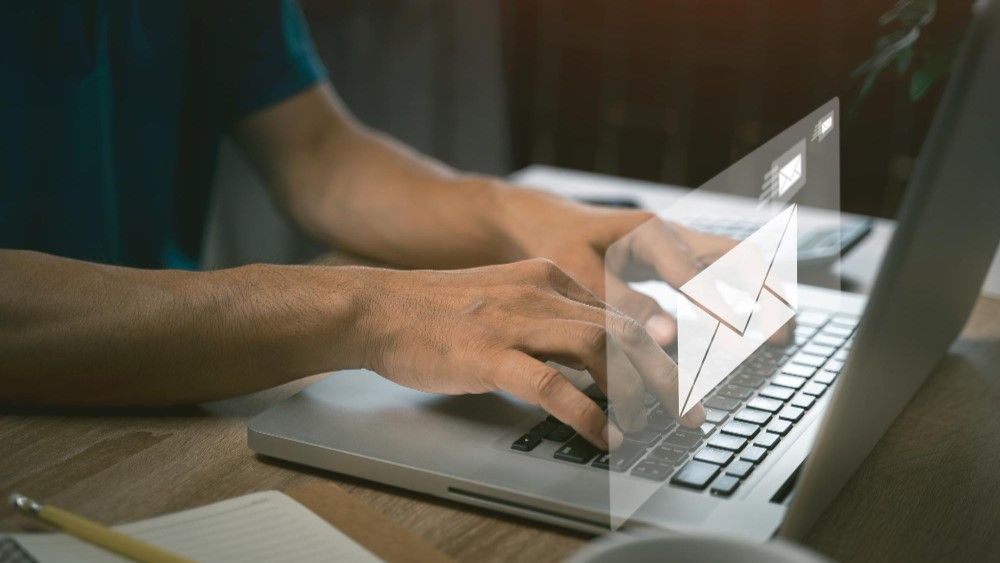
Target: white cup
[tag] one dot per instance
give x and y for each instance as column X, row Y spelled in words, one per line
column 664, row 547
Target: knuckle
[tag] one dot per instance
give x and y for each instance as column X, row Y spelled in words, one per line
column 628, row 329
column 530, row 293
column 545, row 381
column 594, row 338
column 540, row 266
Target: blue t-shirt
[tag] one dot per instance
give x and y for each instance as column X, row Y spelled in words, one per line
column 111, row 113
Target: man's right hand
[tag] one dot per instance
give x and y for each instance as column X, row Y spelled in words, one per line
column 493, row 328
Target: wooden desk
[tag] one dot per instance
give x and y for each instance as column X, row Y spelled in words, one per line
column 929, row 490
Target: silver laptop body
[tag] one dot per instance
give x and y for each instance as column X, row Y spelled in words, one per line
column 459, row 447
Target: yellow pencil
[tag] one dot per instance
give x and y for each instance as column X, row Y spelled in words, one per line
column 92, row 532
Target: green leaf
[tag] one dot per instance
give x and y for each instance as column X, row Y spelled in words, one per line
column 903, row 59
column 934, row 67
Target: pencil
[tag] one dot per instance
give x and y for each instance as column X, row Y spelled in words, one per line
column 92, row 532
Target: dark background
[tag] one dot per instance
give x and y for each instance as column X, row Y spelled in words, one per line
column 675, row 91
column 665, row 90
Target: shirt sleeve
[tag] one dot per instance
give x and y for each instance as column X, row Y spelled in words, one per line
column 264, row 50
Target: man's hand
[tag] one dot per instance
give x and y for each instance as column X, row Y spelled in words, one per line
column 578, row 237
column 493, row 328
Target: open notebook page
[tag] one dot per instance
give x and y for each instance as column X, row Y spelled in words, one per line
column 260, row 527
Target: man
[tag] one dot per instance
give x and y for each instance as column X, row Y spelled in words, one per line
column 112, row 114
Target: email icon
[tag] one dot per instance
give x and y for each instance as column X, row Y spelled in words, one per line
column 734, row 305
column 789, row 174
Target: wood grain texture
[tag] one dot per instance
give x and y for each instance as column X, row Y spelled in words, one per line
column 928, row 492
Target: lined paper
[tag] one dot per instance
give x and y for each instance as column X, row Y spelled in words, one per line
column 256, row 528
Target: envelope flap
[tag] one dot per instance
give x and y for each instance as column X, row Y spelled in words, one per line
column 729, row 287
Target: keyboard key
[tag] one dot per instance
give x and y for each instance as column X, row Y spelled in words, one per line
column 735, row 391
column 753, row 416
column 779, row 427
column 544, row 427
column 668, row 455
column 798, row 370
column 805, row 331
column 803, row 401
column 765, row 404
column 845, row 320
column 811, row 318
column 660, row 420
column 602, row 461
column 739, row 468
column 695, row 475
column 727, row 442
column 526, row 443
column 715, row 416
column 775, row 392
column 625, row 456
column 773, row 353
column 817, row 349
column 722, row 403
column 828, row 340
column 646, row 437
column 684, row 439
column 814, row 389
column 649, row 469
column 753, row 454
column 725, row 485
column 713, row 455
column 790, row 381
column 841, row 355
column 560, row 434
column 594, row 392
column 808, row 360
column 837, row 330
column 577, row 450
column 767, row 440
column 834, row 366
column 791, row 413
column 748, row 380
column 760, row 370
column 825, row 377
column 706, row 428
column 742, row 429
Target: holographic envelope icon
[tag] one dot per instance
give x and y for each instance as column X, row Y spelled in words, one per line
column 734, row 305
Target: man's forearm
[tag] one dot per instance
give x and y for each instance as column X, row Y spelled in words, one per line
column 363, row 192
column 74, row 332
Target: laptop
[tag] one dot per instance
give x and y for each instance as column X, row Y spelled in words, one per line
column 786, row 428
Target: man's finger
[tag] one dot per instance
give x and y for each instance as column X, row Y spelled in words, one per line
column 536, row 382
column 657, row 370
column 643, row 308
column 588, row 345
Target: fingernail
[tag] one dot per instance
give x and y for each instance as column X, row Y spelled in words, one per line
column 694, row 417
column 612, row 435
column 662, row 328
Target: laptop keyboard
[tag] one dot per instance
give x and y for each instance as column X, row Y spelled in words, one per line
column 747, row 415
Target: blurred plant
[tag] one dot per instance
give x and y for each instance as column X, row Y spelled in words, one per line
column 898, row 48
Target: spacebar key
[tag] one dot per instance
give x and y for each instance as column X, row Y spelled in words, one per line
column 577, row 450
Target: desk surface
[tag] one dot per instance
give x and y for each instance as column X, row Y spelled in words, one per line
column 929, row 490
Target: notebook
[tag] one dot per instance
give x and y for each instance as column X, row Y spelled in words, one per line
column 259, row 527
